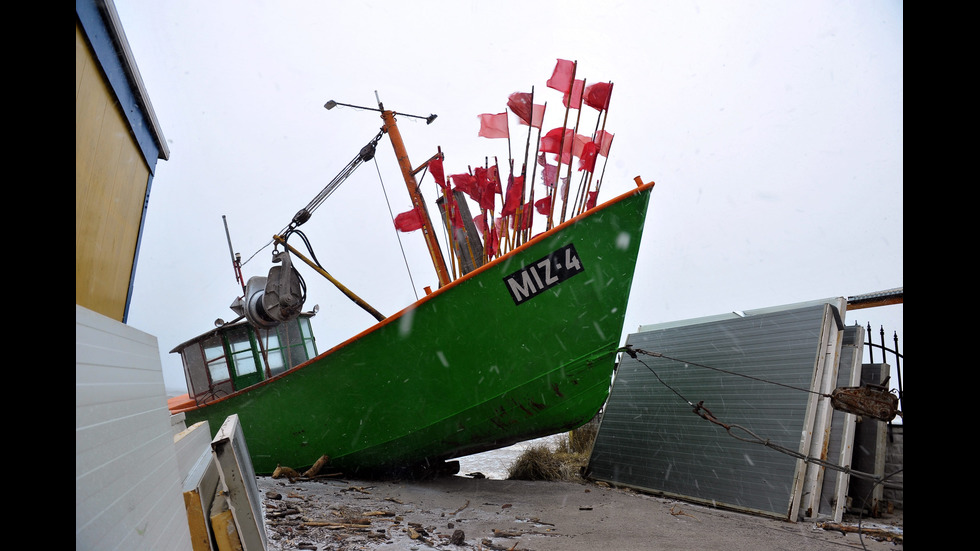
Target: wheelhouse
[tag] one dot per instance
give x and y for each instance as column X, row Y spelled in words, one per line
column 237, row 355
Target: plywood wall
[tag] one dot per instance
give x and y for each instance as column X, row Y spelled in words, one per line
column 111, row 180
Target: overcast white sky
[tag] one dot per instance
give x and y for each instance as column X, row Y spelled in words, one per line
column 774, row 132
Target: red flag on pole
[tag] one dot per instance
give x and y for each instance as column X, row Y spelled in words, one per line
column 586, row 159
column 515, row 191
column 494, row 125
column 492, row 245
column 465, row 183
column 591, row 201
column 549, row 173
column 597, row 95
column 494, row 176
column 552, row 142
column 480, row 223
column 562, row 76
column 520, row 104
column 536, row 118
column 409, row 221
column 435, row 167
column 455, row 216
column 543, row 206
column 526, row 216
column 575, row 95
column 578, row 144
column 485, row 187
column 605, row 142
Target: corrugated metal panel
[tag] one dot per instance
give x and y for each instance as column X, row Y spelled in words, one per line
column 649, row 438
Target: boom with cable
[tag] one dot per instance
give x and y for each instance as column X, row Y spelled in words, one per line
column 270, row 300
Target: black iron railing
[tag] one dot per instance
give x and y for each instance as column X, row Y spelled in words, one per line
column 886, row 355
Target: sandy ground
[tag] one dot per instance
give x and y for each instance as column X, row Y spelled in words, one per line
column 455, row 512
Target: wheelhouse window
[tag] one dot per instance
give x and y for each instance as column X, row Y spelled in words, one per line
column 214, row 356
column 273, row 352
column 306, row 331
column 242, row 354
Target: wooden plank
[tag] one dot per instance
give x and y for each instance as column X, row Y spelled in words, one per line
column 223, row 525
column 238, row 478
column 200, row 487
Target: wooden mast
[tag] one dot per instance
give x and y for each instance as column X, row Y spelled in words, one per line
column 406, row 167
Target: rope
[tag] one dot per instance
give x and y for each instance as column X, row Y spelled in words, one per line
column 392, row 214
column 659, row 355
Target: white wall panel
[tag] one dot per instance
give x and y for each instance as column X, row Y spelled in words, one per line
column 128, row 491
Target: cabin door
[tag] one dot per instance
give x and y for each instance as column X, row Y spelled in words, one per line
column 246, row 362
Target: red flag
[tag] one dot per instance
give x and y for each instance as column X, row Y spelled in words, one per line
column 543, row 206
column 455, row 217
column 520, row 104
column 465, row 183
column 409, row 221
column 586, row 160
column 485, row 187
column 590, row 203
column 578, row 144
column 435, row 167
column 494, row 176
column 562, row 76
column 515, row 192
column 526, row 215
column 552, row 142
column 576, row 95
column 597, row 95
column 605, row 142
column 492, row 245
column 480, row 223
column 549, row 173
column 494, row 125
column 537, row 117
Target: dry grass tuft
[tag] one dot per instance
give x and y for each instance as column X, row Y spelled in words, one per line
column 565, row 462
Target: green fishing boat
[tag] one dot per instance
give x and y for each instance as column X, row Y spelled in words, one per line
column 427, row 384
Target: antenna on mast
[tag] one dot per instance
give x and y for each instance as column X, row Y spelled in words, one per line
column 391, row 128
column 236, row 258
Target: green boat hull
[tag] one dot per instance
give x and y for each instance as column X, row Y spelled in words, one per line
column 520, row 348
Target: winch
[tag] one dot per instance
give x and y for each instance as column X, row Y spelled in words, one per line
column 269, row 301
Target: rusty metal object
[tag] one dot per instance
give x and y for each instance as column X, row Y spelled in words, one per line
column 870, row 400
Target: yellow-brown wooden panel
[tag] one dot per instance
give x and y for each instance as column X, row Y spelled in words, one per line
column 110, row 189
